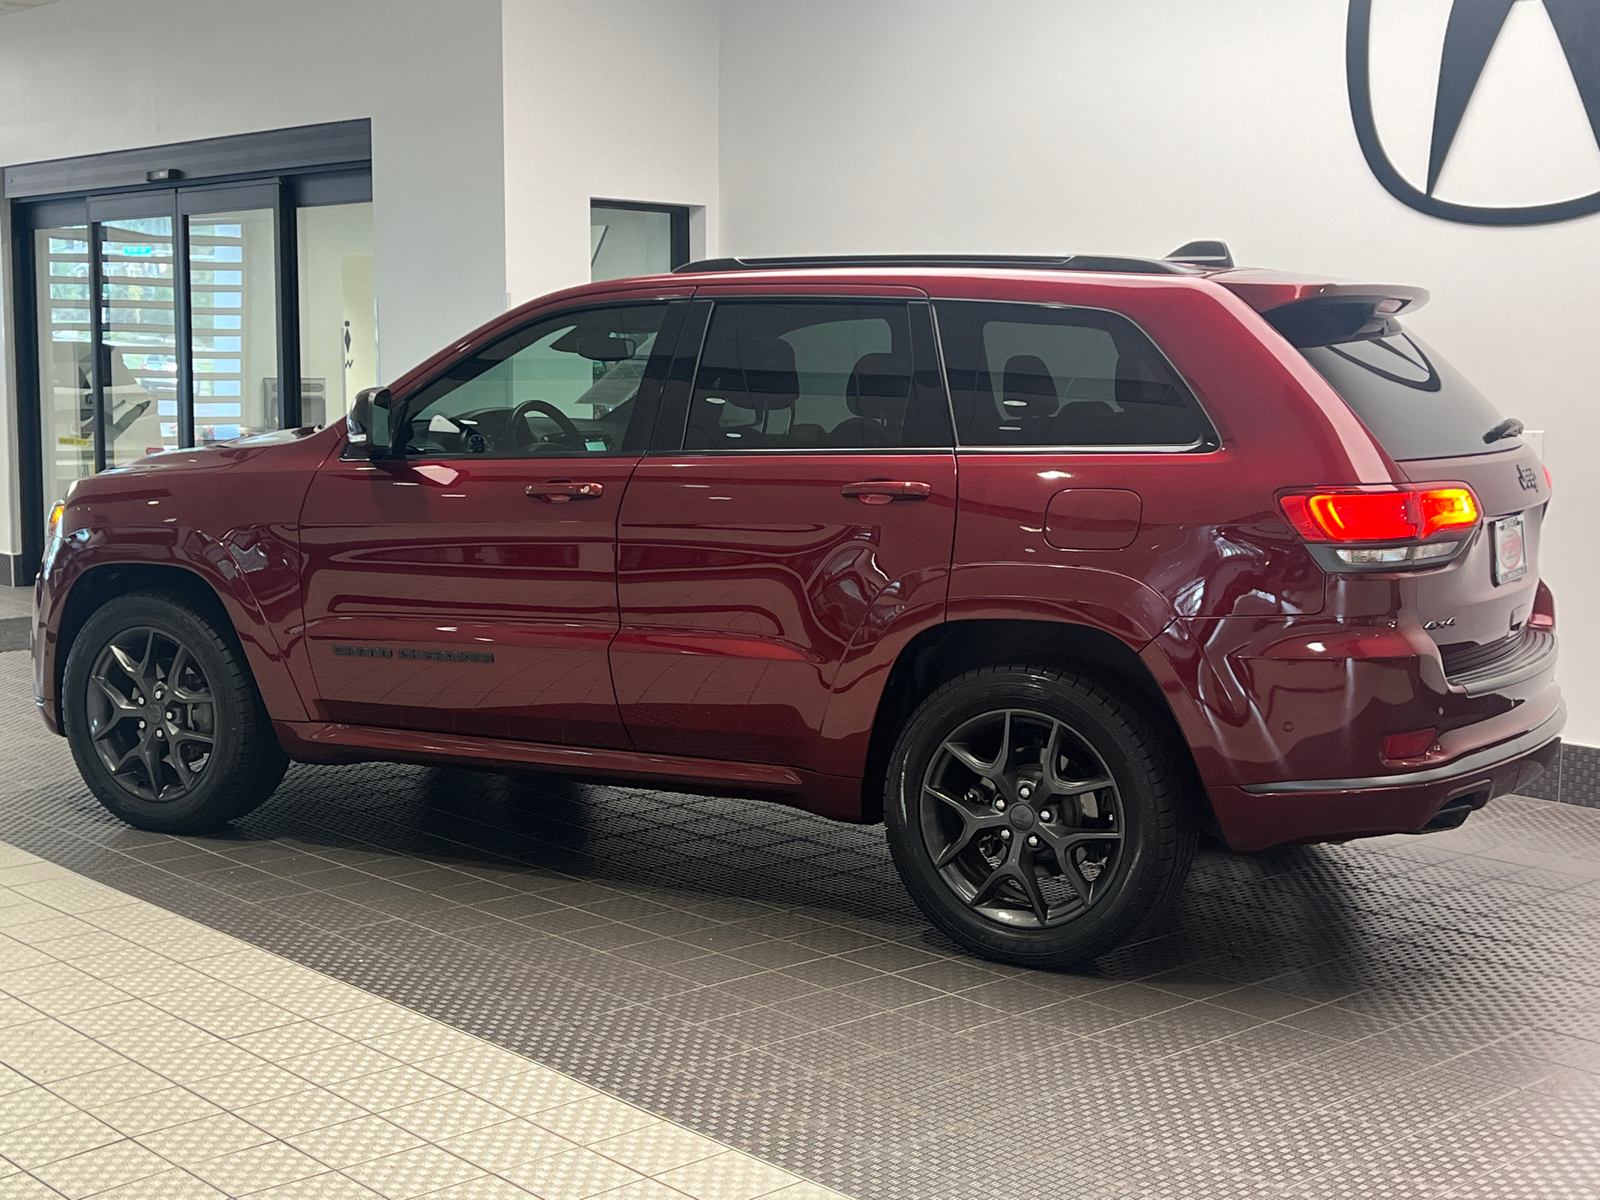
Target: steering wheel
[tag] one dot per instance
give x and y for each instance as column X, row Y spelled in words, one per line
column 519, row 425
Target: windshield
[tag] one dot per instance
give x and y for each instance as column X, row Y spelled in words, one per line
column 1415, row 403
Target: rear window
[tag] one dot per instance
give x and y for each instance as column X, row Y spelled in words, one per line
column 1415, row 403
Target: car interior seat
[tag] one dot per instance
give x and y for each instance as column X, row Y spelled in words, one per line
column 762, row 381
column 876, row 393
column 1028, row 397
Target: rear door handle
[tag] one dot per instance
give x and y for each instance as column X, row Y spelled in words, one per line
column 886, row 491
column 564, row 491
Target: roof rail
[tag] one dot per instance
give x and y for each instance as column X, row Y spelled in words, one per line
column 1009, row 262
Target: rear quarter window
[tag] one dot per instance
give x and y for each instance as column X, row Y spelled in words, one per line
column 1415, row 403
column 1039, row 375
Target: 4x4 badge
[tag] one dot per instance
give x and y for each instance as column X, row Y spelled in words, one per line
column 1528, row 480
column 1470, row 34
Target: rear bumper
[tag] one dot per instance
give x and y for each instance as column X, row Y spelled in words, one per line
column 1259, row 816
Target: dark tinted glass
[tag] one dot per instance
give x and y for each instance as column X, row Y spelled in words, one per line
column 1415, row 403
column 811, row 376
column 1034, row 375
column 559, row 388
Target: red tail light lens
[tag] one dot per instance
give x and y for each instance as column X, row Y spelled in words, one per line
column 1447, row 508
column 1401, row 515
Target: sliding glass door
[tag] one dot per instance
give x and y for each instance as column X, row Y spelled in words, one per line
column 63, row 302
column 230, row 238
column 107, row 340
column 169, row 317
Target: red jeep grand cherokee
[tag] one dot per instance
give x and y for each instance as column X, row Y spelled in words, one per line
column 1045, row 563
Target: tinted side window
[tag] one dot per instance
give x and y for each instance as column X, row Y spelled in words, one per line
column 562, row 387
column 811, row 376
column 1035, row 375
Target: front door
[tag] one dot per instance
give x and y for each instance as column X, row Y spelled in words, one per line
column 468, row 583
column 804, row 512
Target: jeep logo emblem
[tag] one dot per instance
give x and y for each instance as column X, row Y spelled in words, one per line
column 1471, row 32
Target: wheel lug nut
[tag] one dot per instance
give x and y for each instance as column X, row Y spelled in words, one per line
column 1024, row 791
column 141, row 724
column 1005, row 835
column 1044, row 814
column 1033, row 842
column 999, row 806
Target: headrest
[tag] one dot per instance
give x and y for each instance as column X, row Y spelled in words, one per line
column 1027, row 388
column 751, row 371
column 878, row 387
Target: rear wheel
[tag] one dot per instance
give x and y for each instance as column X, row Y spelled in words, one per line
column 1035, row 817
column 164, row 719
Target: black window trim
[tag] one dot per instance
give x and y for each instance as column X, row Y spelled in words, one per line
column 663, row 355
column 1208, row 443
column 673, row 412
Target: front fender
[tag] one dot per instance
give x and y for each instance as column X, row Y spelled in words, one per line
column 135, row 530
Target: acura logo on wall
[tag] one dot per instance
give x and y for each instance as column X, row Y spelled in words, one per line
column 1470, row 34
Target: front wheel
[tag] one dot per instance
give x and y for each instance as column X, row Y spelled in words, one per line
column 164, row 719
column 1035, row 817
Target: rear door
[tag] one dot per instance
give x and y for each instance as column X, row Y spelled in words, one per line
column 797, row 520
column 1078, row 477
column 468, row 584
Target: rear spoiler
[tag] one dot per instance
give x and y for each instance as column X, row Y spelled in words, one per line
column 1322, row 314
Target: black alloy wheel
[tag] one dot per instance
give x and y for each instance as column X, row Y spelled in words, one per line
column 1037, row 817
column 164, row 719
column 151, row 713
column 1022, row 818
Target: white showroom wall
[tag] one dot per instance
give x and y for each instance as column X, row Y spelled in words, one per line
column 87, row 76
column 611, row 100
column 1131, row 126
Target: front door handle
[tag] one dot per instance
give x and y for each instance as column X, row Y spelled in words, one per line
column 886, row 491
column 564, row 491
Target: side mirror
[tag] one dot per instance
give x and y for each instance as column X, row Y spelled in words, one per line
column 371, row 425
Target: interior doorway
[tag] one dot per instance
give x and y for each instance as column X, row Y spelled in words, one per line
column 627, row 239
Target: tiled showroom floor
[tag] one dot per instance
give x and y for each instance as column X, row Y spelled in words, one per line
column 150, row 1058
column 1405, row 1017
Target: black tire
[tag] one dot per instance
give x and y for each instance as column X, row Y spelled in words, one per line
column 1114, row 805
column 164, row 718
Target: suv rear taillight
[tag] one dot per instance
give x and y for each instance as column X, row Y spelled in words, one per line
column 1383, row 529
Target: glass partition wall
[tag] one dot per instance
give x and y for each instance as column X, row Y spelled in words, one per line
column 158, row 317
